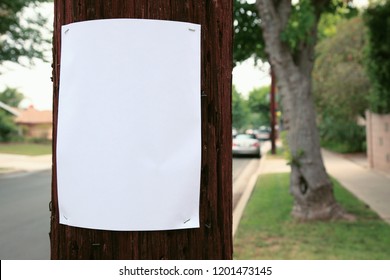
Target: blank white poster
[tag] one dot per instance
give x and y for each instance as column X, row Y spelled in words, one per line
column 129, row 125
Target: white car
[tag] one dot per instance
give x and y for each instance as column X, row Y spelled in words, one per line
column 246, row 144
column 264, row 133
column 234, row 132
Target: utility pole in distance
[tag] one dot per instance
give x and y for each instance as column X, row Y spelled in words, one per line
column 273, row 112
column 213, row 240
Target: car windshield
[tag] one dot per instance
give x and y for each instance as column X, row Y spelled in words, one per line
column 245, row 136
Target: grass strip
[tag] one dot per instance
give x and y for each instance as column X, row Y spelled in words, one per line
column 29, row 149
column 267, row 230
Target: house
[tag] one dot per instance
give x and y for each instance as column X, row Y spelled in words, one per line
column 34, row 123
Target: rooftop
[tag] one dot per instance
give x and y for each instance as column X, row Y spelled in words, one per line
column 33, row 116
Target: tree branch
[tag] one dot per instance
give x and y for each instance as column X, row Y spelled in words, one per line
column 274, row 16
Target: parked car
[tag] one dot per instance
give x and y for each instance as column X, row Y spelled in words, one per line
column 234, row 132
column 246, row 144
column 264, row 133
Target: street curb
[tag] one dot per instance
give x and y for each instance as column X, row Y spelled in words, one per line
column 240, row 207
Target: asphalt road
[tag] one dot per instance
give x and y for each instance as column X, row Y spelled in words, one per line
column 25, row 216
column 239, row 164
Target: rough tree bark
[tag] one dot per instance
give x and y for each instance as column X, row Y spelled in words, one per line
column 213, row 240
column 309, row 183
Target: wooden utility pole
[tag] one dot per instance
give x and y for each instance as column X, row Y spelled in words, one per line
column 213, row 240
column 273, row 112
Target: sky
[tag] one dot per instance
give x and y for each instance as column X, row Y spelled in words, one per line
column 35, row 82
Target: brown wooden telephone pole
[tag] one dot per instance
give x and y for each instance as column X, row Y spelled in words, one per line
column 213, row 240
column 273, row 112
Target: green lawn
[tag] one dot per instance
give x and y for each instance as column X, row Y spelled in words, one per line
column 25, row 148
column 267, row 230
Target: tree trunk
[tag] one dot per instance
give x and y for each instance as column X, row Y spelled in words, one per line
column 213, row 240
column 309, row 183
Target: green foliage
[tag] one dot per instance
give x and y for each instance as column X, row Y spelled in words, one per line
column 251, row 112
column 339, row 76
column 248, row 38
column 11, row 96
column 8, row 128
column 331, row 18
column 342, row 135
column 295, row 160
column 267, row 230
column 258, row 99
column 303, row 18
column 340, row 86
column 240, row 110
column 21, row 36
column 300, row 24
column 258, row 103
column 377, row 19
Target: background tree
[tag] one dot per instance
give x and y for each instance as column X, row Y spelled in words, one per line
column 8, row 129
column 378, row 56
column 21, row 36
column 259, row 107
column 11, row 96
column 331, row 18
column 248, row 39
column 290, row 34
column 341, row 86
column 240, row 111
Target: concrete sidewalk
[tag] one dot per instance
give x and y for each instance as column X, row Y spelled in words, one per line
column 10, row 164
column 370, row 186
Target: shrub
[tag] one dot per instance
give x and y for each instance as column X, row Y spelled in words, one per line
column 342, row 135
column 7, row 127
column 378, row 56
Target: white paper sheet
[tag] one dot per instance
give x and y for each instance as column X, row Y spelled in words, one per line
column 129, row 125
